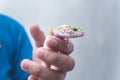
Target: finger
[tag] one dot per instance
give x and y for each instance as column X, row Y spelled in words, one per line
column 43, row 73
column 38, row 35
column 27, row 66
column 63, row 62
column 58, row 44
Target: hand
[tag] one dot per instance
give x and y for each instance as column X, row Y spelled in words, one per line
column 53, row 52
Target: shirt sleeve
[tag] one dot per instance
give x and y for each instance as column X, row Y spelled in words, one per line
column 23, row 51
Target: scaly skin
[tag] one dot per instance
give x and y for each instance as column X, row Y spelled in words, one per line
column 67, row 31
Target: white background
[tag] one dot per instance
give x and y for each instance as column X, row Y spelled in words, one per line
column 97, row 54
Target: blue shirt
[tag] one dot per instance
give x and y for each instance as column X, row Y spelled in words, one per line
column 14, row 47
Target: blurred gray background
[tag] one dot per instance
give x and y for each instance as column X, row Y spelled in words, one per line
column 97, row 54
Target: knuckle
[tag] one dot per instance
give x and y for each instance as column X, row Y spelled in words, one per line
column 71, row 64
column 35, row 71
column 70, row 48
column 54, row 58
column 67, row 47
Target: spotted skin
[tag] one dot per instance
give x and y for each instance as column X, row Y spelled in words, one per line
column 66, row 31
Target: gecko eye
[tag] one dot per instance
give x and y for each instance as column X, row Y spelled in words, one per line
column 75, row 29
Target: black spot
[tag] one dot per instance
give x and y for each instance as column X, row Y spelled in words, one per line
column 75, row 29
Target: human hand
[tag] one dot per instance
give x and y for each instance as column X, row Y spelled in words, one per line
column 52, row 51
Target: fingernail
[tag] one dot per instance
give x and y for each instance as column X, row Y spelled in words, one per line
column 42, row 53
column 25, row 64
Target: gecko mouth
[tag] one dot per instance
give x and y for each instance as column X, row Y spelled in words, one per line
column 82, row 33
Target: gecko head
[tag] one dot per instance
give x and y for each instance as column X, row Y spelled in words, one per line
column 78, row 32
column 67, row 31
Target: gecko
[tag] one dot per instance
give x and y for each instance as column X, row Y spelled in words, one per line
column 66, row 31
